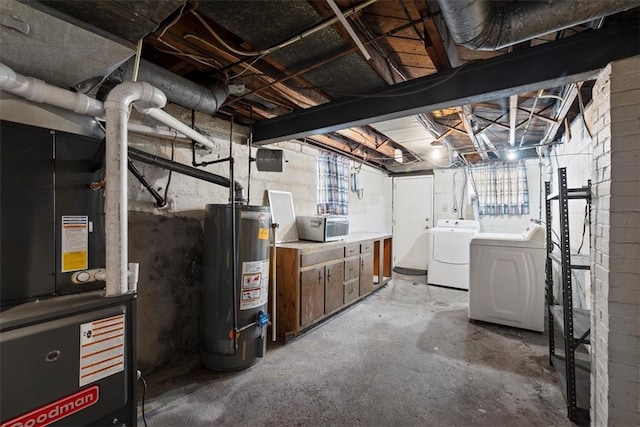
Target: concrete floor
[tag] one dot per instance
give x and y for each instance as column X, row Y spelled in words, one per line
column 406, row 356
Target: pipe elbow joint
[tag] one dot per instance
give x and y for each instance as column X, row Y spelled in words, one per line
column 151, row 97
column 8, row 78
column 126, row 93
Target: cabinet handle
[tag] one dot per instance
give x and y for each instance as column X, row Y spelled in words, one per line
column 319, row 277
column 361, row 265
column 328, row 274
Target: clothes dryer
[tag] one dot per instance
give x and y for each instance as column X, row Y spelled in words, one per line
column 449, row 252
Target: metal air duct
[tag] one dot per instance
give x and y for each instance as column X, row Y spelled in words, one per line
column 482, row 25
column 178, row 89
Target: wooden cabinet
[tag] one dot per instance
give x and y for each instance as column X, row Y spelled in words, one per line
column 311, row 295
column 366, row 273
column 333, row 287
column 317, row 280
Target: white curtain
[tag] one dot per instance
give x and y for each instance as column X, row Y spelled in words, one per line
column 501, row 188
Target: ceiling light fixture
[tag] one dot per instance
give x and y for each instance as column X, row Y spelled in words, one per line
column 512, row 154
column 436, row 153
column 397, row 155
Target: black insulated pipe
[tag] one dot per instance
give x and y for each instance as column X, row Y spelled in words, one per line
column 160, row 201
column 151, row 159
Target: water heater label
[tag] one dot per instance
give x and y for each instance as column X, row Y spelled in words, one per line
column 101, row 349
column 263, row 233
column 255, row 284
column 75, row 243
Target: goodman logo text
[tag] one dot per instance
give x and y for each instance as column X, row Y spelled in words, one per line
column 57, row 410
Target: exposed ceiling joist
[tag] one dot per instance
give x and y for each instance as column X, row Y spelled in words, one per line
column 562, row 62
column 539, row 116
column 569, row 96
column 466, row 117
column 513, row 113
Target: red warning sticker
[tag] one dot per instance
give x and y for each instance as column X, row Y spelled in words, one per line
column 57, row 410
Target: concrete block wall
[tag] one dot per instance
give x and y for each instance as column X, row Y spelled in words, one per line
column 575, row 154
column 615, row 321
column 443, row 200
column 168, row 243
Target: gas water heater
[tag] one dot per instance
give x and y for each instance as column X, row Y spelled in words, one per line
column 233, row 316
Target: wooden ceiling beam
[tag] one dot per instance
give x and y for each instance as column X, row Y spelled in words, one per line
column 197, row 44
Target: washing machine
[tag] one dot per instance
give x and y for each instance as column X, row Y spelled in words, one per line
column 506, row 282
column 449, row 252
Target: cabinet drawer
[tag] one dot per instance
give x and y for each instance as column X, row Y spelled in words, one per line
column 318, row 257
column 352, row 249
column 366, row 247
column 351, row 269
column 351, row 291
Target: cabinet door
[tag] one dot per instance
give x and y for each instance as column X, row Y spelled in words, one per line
column 334, row 288
column 366, row 273
column 311, row 295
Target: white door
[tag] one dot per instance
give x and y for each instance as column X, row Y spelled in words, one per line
column 412, row 212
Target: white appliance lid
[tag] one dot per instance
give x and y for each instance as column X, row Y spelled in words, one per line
column 459, row 223
column 532, row 237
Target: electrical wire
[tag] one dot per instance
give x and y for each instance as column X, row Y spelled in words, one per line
column 144, row 396
column 584, row 226
column 166, row 187
column 584, row 119
column 246, row 68
column 173, row 22
column 200, row 59
column 285, row 43
column 177, row 51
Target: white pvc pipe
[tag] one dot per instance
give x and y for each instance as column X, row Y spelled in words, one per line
column 166, row 118
column 116, row 111
column 39, row 91
column 117, row 114
column 158, row 132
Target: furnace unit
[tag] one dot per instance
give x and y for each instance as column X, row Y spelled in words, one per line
column 68, row 352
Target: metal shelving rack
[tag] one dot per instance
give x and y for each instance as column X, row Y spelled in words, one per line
column 573, row 323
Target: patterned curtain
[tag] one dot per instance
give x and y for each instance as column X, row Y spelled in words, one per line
column 501, row 188
column 333, row 184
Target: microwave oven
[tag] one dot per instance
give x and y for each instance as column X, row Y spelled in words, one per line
column 322, row 228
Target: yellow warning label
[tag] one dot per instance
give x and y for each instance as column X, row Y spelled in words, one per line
column 263, row 234
column 74, row 261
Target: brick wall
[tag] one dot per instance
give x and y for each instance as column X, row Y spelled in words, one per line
column 576, row 155
column 615, row 322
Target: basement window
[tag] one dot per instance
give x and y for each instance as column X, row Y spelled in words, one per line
column 501, row 188
column 333, row 184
